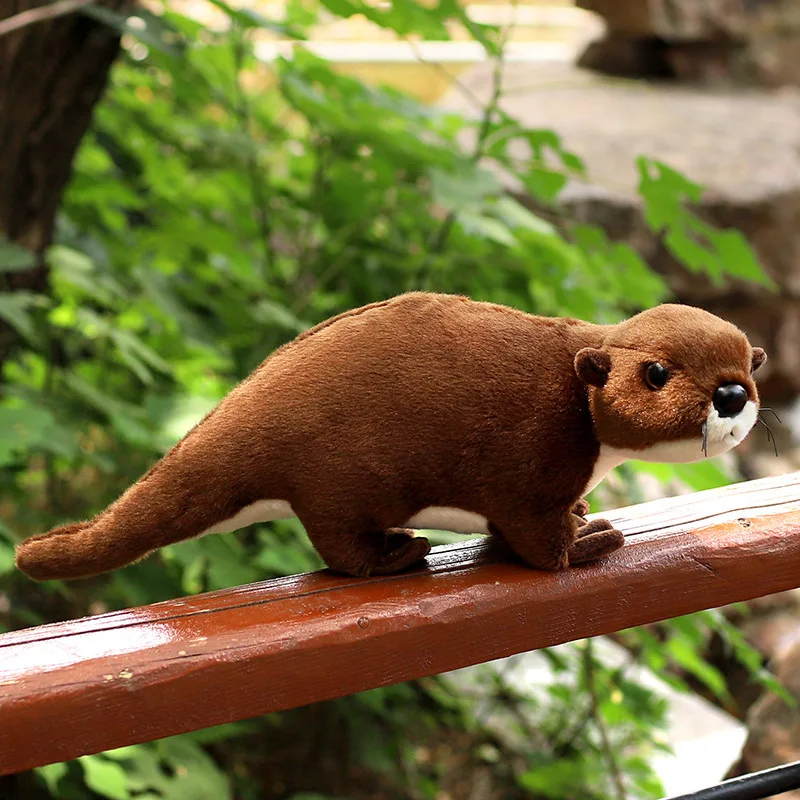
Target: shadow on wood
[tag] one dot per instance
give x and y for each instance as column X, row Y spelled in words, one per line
column 98, row 683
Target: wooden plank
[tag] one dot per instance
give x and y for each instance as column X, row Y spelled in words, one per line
column 102, row 682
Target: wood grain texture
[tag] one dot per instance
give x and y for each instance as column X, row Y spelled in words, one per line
column 102, row 682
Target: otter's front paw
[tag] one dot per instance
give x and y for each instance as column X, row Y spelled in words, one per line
column 595, row 526
column 594, row 540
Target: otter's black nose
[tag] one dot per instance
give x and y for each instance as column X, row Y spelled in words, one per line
column 730, row 400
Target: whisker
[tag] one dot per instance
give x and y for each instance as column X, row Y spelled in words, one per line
column 705, row 438
column 770, row 435
column 773, row 412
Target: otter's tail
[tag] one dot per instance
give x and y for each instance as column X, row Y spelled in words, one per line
column 180, row 498
column 78, row 550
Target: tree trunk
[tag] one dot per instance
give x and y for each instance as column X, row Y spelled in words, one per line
column 52, row 73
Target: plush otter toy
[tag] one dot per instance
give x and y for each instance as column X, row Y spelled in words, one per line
column 433, row 411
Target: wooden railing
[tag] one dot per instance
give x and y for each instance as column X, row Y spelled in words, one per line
column 98, row 683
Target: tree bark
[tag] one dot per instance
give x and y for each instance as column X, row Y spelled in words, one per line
column 52, row 73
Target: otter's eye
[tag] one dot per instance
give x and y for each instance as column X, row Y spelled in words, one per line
column 656, row 375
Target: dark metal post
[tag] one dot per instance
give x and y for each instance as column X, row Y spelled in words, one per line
column 756, row 786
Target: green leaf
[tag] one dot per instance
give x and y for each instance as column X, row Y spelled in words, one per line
column 405, row 17
column 249, row 18
column 228, row 564
column 738, row 257
column 224, row 732
column 6, row 559
column 544, row 184
column 660, row 177
column 463, row 189
column 176, row 415
column 272, row 313
column 193, row 577
column 51, row 774
column 698, row 245
column 77, row 269
column 690, row 659
column 126, row 753
column 556, row 780
column 772, row 684
column 487, row 228
column 14, row 258
column 129, row 421
column 196, row 776
column 15, row 309
column 573, row 162
column 342, row 8
column 22, row 429
column 487, row 35
column 135, row 350
column 165, row 295
column 515, row 215
column 105, row 777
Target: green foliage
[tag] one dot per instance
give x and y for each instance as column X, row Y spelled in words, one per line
column 171, row 769
column 698, row 245
column 220, row 206
column 586, row 732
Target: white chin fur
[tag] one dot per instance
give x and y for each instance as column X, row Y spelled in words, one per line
column 722, row 434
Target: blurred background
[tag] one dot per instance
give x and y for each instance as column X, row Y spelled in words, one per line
column 186, row 185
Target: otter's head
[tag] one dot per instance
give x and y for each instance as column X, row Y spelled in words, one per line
column 673, row 384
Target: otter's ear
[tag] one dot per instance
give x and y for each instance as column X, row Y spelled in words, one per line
column 759, row 357
column 592, row 366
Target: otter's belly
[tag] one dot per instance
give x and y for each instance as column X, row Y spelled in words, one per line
column 440, row 518
column 444, row 518
column 260, row 511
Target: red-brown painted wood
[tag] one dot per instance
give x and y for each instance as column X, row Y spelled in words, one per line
column 102, row 682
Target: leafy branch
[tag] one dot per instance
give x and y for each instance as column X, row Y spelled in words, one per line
column 439, row 239
column 257, row 178
column 41, row 14
column 589, row 666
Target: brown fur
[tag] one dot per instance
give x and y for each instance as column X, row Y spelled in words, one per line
column 422, row 400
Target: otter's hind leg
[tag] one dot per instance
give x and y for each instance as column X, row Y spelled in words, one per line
column 403, row 550
column 360, row 548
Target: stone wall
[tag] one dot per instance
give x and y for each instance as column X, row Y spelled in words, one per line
column 710, row 41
